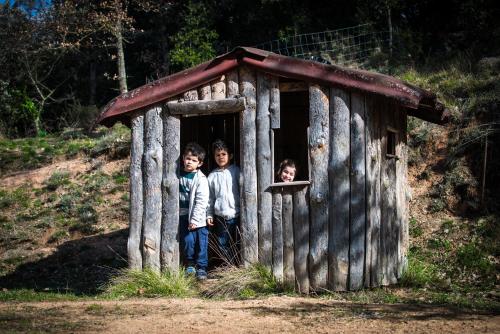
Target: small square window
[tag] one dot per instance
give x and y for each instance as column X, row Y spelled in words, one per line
column 391, row 143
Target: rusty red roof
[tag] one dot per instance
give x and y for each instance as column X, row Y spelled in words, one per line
column 418, row 102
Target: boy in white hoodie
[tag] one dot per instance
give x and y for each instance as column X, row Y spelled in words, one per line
column 224, row 201
column 193, row 201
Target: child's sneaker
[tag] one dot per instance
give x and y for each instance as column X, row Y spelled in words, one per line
column 201, row 274
column 190, row 271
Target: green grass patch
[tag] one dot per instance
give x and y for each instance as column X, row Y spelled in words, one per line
column 148, row 283
column 56, row 180
column 419, row 273
column 28, row 295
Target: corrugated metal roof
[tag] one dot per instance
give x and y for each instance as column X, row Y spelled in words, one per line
column 419, row 102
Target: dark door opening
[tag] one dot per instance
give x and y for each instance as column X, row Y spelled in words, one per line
column 206, row 129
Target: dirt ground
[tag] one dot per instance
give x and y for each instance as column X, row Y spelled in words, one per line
column 269, row 315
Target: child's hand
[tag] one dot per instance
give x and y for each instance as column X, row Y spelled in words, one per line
column 210, row 222
column 192, row 226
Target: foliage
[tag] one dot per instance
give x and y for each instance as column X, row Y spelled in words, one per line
column 419, row 273
column 194, row 43
column 148, row 283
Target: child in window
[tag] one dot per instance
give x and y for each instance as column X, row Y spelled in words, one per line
column 224, row 202
column 193, row 201
column 287, row 171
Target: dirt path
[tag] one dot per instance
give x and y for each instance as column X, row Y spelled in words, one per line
column 270, row 315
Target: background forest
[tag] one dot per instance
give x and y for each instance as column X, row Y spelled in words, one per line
column 63, row 60
column 64, row 181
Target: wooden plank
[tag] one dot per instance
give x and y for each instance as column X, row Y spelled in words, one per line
column 275, row 103
column 248, row 207
column 288, row 241
column 191, row 95
column 373, row 152
column 301, row 238
column 232, row 89
column 358, row 193
column 277, row 230
column 205, row 92
column 264, row 170
column 218, row 88
column 152, row 174
column 338, row 178
column 401, row 191
column 296, row 86
column 319, row 193
column 136, row 199
column 208, row 107
column 402, row 152
column 388, row 204
column 169, row 256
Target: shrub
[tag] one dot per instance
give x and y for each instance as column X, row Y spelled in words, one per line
column 472, row 258
column 148, row 283
column 243, row 282
column 56, row 180
column 419, row 273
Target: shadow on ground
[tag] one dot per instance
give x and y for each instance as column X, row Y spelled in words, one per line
column 80, row 266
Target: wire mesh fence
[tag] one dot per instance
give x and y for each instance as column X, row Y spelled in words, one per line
column 359, row 46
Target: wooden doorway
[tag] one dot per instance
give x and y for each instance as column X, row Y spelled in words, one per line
column 206, row 129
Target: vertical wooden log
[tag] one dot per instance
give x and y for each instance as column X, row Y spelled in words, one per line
column 401, row 213
column 264, row 171
column 338, row 177
column 373, row 193
column 319, row 193
column 232, row 80
column 388, row 203
column 191, row 95
column 277, row 235
column 248, row 208
column 274, row 107
column 358, row 193
column 153, row 161
column 136, row 199
column 404, row 191
column 218, row 88
column 205, row 92
column 169, row 255
column 288, row 241
column 301, row 238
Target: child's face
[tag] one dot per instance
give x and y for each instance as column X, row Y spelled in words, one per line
column 191, row 162
column 222, row 158
column 288, row 174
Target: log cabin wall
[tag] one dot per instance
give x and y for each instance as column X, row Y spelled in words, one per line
column 344, row 230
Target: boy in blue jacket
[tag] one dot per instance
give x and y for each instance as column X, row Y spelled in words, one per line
column 193, row 201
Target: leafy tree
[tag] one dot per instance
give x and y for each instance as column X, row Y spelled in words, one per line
column 195, row 41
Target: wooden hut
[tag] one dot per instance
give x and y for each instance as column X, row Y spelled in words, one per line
column 343, row 225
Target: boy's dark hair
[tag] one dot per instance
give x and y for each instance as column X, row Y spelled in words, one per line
column 219, row 144
column 196, row 150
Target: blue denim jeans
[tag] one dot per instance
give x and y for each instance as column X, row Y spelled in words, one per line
column 227, row 235
column 194, row 244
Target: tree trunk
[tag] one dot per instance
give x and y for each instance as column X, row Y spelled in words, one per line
column 122, row 74
column 92, row 83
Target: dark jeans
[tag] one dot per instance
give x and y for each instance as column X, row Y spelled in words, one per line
column 194, row 244
column 227, row 235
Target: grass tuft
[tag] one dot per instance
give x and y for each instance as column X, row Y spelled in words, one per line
column 148, row 283
column 419, row 273
column 240, row 282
